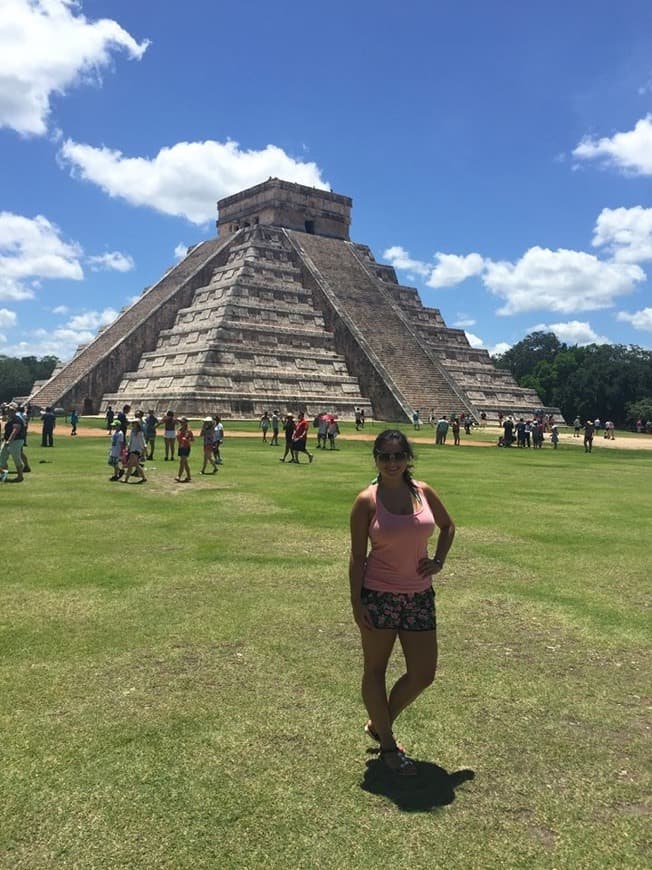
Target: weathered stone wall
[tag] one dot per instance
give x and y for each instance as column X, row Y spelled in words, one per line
column 99, row 366
column 251, row 339
column 283, row 204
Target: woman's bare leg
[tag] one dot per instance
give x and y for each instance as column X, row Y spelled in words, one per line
column 420, row 651
column 377, row 645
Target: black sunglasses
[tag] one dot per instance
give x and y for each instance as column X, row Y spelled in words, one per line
column 392, row 457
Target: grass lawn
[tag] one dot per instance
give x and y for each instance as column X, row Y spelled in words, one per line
column 179, row 677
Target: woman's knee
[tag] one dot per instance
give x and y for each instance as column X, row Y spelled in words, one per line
column 423, row 676
column 374, row 672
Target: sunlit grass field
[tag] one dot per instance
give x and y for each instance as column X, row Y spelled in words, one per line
column 180, row 670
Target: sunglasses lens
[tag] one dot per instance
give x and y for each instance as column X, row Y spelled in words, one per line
column 391, row 457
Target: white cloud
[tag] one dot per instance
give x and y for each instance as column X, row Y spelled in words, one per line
column 188, row 178
column 47, row 47
column 7, row 318
column 180, row 251
column 563, row 281
column 400, row 259
column 112, row 261
column 60, row 309
column 474, row 340
column 91, row 320
column 32, row 248
column 626, row 233
column 64, row 340
column 630, row 151
column 572, row 332
column 639, row 319
column 446, row 270
column 464, row 322
column 499, row 348
column 452, row 269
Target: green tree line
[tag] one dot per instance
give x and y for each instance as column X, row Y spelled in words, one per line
column 610, row 381
column 18, row 375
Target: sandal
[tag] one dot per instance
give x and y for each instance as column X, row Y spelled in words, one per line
column 371, row 732
column 405, row 767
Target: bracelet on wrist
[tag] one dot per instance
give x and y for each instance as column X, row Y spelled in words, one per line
column 437, row 561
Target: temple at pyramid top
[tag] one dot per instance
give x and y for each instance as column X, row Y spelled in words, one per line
column 282, row 311
column 279, row 203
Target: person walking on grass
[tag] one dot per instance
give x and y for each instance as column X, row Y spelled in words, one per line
column 115, row 451
column 169, row 434
column 300, row 438
column 275, row 427
column 263, row 424
column 74, row 419
column 441, row 430
column 123, row 417
column 135, row 450
column 184, row 440
column 332, row 432
column 391, row 587
column 13, row 443
column 49, row 421
column 288, row 430
column 150, row 423
column 218, row 439
column 24, row 416
column 322, row 430
column 589, row 429
column 207, row 436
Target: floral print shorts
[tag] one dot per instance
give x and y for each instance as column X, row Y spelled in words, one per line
column 401, row 611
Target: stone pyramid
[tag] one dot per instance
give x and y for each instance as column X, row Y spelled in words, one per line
column 283, row 311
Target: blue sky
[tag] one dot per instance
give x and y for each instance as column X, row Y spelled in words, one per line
column 499, row 154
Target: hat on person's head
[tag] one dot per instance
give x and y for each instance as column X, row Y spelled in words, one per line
column 12, row 406
column 115, row 423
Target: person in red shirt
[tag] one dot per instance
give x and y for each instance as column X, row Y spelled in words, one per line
column 299, row 438
column 184, row 440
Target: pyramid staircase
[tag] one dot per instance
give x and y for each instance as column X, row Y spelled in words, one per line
column 383, row 337
column 250, row 340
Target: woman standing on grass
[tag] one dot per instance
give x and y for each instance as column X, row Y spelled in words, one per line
column 184, row 440
column 169, row 434
column 264, row 424
column 207, row 437
column 391, row 587
column 136, row 450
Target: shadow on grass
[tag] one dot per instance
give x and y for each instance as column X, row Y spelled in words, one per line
column 432, row 787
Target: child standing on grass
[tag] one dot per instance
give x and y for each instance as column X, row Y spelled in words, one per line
column 207, row 437
column 184, row 440
column 115, row 452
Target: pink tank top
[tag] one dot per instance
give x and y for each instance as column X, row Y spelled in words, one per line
column 398, row 543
